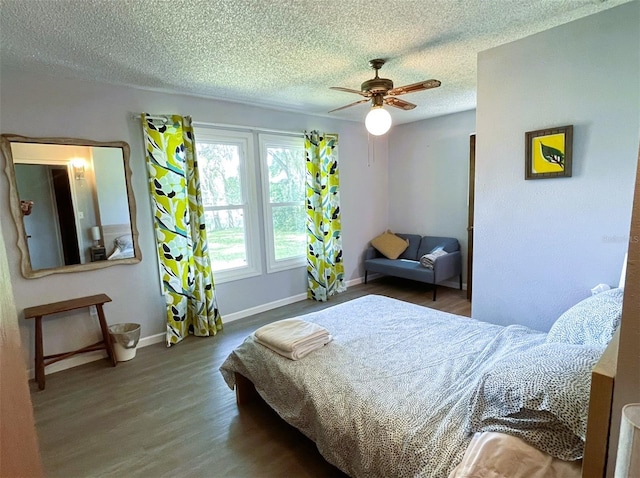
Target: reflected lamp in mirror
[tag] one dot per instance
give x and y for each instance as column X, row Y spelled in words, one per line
column 78, row 185
column 78, row 168
column 95, row 235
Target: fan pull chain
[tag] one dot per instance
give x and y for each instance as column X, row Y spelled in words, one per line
column 371, row 149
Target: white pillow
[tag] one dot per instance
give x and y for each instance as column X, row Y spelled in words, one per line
column 540, row 395
column 591, row 321
column 123, row 248
column 124, row 242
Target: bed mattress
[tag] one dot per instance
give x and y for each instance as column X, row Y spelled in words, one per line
column 389, row 396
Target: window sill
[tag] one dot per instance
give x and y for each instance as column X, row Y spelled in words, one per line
column 287, row 264
column 232, row 275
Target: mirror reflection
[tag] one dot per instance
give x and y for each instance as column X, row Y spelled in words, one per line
column 72, row 203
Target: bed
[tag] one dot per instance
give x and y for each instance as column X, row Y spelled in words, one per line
column 404, row 390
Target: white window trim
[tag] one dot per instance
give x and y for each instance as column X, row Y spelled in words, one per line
column 273, row 265
column 249, row 193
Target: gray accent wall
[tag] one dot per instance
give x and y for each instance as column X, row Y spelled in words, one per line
column 541, row 245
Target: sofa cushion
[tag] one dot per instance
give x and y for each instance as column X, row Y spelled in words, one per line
column 411, row 252
column 390, row 245
column 400, row 268
column 429, row 243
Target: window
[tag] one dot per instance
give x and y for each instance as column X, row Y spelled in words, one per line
column 227, row 181
column 228, row 174
column 283, row 185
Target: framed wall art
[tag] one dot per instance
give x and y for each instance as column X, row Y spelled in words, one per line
column 548, row 153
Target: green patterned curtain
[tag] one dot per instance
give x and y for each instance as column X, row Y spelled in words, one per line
column 180, row 230
column 325, row 269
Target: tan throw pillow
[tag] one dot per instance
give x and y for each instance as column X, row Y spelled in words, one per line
column 390, row 245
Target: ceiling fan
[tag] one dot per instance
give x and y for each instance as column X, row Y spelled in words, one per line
column 381, row 92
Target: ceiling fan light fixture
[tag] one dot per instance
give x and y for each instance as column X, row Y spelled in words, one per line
column 378, row 121
column 381, row 92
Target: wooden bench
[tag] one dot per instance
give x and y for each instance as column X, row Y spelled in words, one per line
column 38, row 312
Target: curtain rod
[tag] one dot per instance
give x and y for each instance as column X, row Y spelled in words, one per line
column 230, row 126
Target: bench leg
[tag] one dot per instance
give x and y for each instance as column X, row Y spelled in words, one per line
column 365, row 277
column 461, row 281
column 39, row 361
column 434, row 291
column 105, row 335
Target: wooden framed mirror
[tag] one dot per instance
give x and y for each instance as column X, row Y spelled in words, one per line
column 72, row 203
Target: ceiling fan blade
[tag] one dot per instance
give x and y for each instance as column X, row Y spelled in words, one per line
column 403, row 105
column 412, row 88
column 352, row 104
column 349, row 90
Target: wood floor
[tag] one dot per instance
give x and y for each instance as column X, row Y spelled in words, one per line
column 168, row 412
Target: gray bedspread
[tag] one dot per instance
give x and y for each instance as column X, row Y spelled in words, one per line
column 390, row 395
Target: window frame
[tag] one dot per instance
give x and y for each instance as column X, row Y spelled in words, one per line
column 268, row 140
column 247, row 173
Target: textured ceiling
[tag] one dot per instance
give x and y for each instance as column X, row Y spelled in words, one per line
column 276, row 53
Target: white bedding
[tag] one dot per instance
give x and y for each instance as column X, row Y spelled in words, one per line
column 496, row 455
column 390, row 395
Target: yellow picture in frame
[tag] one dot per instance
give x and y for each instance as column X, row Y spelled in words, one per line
column 548, row 153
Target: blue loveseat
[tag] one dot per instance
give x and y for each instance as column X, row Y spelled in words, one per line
column 408, row 264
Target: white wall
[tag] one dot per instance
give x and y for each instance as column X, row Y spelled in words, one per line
column 111, row 186
column 540, row 245
column 44, row 106
column 428, row 177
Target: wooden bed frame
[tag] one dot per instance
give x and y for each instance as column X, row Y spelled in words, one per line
column 594, row 463
column 245, row 390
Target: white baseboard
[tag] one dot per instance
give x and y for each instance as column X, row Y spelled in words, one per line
column 152, row 339
column 74, row 361
column 263, row 308
column 275, row 304
column 77, row 360
column 356, row 281
column 454, row 284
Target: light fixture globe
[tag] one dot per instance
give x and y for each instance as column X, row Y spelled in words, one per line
column 378, row 121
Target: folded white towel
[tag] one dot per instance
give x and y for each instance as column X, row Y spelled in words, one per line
column 292, row 338
column 428, row 260
column 286, row 334
column 302, row 349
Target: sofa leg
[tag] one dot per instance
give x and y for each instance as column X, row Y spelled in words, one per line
column 460, row 281
column 434, row 292
column 365, row 277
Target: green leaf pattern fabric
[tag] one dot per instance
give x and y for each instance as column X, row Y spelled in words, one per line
column 325, row 267
column 180, row 228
